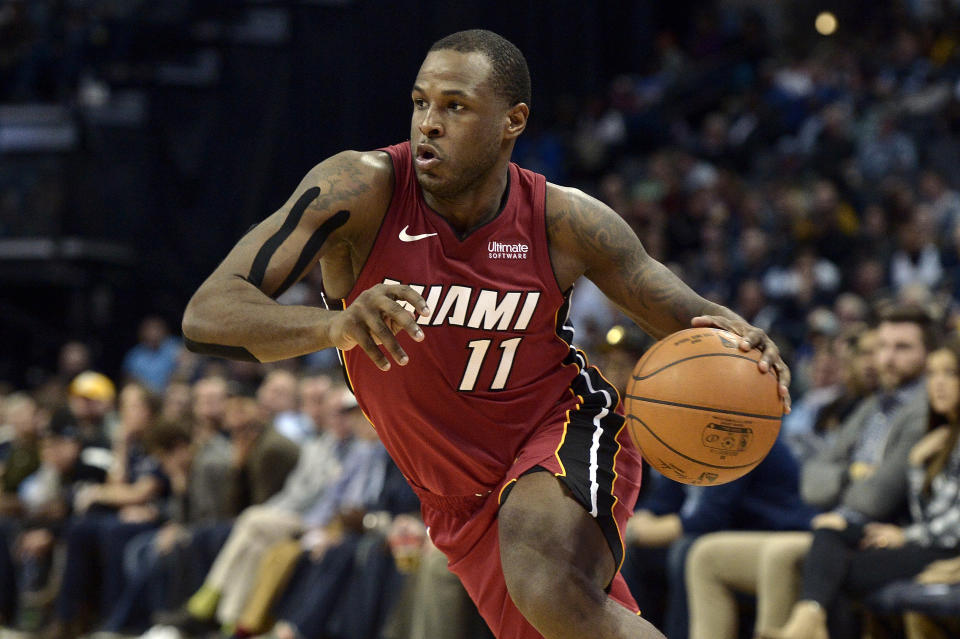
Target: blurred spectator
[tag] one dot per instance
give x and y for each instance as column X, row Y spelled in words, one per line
column 943, row 202
column 862, row 474
column 823, row 389
column 74, row 358
column 176, row 403
column 850, row 310
column 354, row 522
column 111, row 514
column 869, row 278
column 810, row 279
column 751, row 303
column 886, row 150
column 672, row 516
column 815, row 350
column 916, row 258
column 831, row 144
column 752, row 256
column 844, row 374
column 154, row 359
column 20, row 454
column 171, row 444
column 835, row 223
column 89, row 410
column 210, row 473
column 261, row 458
column 277, row 396
column 46, row 498
column 856, row 558
column 324, row 462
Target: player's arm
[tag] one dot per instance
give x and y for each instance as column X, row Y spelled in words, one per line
column 234, row 313
column 589, row 238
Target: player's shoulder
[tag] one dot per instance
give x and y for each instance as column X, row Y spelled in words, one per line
column 353, row 171
column 570, row 205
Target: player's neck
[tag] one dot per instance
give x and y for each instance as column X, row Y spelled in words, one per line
column 474, row 207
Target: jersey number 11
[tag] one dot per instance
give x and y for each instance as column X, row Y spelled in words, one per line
column 478, row 351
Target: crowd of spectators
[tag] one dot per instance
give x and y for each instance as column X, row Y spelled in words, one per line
column 814, row 189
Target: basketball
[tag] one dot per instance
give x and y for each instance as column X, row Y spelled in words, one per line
column 700, row 409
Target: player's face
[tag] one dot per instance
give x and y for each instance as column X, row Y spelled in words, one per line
column 943, row 382
column 900, row 353
column 458, row 124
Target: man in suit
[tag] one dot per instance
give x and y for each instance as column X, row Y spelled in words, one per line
column 861, row 477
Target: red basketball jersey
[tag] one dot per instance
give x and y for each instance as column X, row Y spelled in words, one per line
column 496, row 359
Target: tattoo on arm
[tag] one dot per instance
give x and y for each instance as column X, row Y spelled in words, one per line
column 259, row 268
column 643, row 279
column 343, row 182
column 310, row 249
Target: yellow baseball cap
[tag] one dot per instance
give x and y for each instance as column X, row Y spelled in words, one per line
column 93, row 385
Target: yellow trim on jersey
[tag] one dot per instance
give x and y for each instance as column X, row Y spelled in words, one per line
column 500, row 496
column 556, row 453
column 563, row 438
column 353, row 387
column 616, row 500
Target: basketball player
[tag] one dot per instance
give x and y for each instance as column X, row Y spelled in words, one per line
column 457, row 265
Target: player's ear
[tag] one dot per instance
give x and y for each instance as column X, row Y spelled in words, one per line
column 517, row 120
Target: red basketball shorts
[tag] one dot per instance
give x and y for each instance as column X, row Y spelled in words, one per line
column 601, row 467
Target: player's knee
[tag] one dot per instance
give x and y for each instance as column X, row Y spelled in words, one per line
column 543, row 585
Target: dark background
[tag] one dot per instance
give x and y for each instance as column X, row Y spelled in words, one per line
column 143, row 141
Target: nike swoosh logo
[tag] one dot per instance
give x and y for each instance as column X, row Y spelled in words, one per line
column 406, row 237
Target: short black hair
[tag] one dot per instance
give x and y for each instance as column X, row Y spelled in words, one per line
column 509, row 76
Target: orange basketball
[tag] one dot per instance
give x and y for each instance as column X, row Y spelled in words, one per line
column 700, row 409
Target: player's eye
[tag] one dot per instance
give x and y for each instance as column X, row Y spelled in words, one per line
column 419, row 103
column 455, row 106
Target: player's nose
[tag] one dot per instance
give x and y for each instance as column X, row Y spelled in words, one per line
column 430, row 126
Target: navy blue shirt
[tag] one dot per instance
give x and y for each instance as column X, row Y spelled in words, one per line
column 766, row 498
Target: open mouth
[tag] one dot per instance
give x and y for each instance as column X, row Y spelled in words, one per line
column 426, row 158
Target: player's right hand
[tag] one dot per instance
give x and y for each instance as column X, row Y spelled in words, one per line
column 375, row 317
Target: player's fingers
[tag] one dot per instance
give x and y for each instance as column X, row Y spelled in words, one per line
column 380, row 331
column 404, row 293
column 365, row 341
column 402, row 318
column 783, row 375
column 718, row 321
column 756, row 338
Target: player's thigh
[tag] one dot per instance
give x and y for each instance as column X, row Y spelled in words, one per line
column 545, row 532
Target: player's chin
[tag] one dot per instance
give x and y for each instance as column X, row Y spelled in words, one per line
column 431, row 182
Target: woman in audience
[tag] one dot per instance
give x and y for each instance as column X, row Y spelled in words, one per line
column 852, row 560
column 108, row 515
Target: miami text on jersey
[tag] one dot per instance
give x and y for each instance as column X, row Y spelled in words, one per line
column 461, row 305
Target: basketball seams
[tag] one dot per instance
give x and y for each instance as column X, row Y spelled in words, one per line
column 708, row 409
column 649, row 355
column 640, row 378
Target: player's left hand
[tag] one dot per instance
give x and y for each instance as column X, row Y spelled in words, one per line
column 754, row 337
